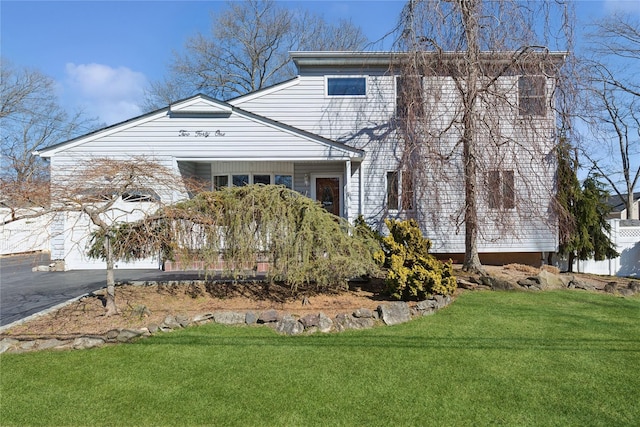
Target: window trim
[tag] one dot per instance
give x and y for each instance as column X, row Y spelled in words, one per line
column 358, row 76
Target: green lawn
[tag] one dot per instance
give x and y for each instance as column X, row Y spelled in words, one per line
column 491, row 358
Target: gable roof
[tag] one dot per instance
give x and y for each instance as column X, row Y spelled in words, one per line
column 201, row 106
column 617, row 203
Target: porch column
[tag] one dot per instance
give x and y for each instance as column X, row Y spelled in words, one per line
column 347, row 187
column 361, row 189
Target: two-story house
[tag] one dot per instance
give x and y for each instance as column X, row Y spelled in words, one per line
column 333, row 133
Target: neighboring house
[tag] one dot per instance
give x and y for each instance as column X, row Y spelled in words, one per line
column 330, row 134
column 619, row 210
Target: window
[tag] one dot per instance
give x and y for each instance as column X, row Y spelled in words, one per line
column 346, row 86
column 240, row 180
column 409, row 102
column 220, row 181
column 400, row 190
column 286, row 180
column 392, row 190
column 531, row 96
column 501, row 189
column 262, row 179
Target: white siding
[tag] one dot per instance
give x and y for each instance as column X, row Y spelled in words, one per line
column 525, row 147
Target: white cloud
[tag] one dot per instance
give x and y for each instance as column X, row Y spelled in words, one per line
column 111, row 94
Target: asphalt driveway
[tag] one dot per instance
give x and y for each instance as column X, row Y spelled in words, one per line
column 24, row 292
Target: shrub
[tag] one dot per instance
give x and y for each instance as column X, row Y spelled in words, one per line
column 301, row 242
column 411, row 272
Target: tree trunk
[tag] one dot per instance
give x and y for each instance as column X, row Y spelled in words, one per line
column 110, row 305
column 572, row 257
column 470, row 11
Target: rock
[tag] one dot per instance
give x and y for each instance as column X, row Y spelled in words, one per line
column 529, row 283
column 465, row 284
column 250, row 318
column 127, row 335
column 7, row 344
column 442, row 301
column 112, row 335
column 310, row 320
column 578, row 284
column 49, row 343
column 289, row 325
column 153, row 328
column 549, row 280
column 393, row 313
column 497, row 284
column 87, row 342
column 634, row 287
column 202, row 318
column 170, row 322
column 183, row 320
column 325, row 324
column 626, row 292
column 428, row 304
column 364, row 313
column 611, row 287
column 268, row 316
column 229, row 317
column 41, row 268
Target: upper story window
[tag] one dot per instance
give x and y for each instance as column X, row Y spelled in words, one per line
column 346, row 86
column 532, row 96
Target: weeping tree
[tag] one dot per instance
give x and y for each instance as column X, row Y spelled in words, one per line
column 92, row 201
column 477, row 110
column 235, row 229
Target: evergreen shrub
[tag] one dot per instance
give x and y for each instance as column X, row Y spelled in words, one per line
column 411, row 272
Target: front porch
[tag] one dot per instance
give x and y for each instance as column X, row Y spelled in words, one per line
column 335, row 184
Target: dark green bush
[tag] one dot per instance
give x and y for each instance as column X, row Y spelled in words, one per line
column 411, row 272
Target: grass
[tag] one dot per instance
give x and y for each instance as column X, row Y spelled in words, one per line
column 491, row 358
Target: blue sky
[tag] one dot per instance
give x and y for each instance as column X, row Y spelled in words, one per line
column 103, row 53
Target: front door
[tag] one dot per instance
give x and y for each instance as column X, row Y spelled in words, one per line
column 328, row 194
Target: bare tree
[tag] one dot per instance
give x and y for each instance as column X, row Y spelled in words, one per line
column 612, row 109
column 247, row 50
column 96, row 196
column 479, row 104
column 31, row 118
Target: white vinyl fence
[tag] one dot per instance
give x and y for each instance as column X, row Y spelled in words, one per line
column 22, row 236
column 626, row 235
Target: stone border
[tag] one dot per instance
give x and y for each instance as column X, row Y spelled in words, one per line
column 388, row 313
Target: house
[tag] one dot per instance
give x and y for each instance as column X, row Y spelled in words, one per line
column 331, row 133
column 619, row 210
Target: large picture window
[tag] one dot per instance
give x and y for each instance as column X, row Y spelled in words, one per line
column 240, row 180
column 532, row 96
column 347, row 86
